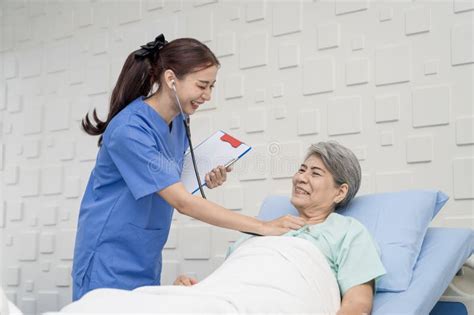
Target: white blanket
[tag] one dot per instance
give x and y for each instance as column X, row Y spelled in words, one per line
column 270, row 274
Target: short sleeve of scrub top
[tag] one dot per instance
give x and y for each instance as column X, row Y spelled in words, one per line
column 140, row 161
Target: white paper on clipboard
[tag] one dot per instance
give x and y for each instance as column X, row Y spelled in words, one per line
column 219, row 149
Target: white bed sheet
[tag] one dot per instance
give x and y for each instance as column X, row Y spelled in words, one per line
column 265, row 274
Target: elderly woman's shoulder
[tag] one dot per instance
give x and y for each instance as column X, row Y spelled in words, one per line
column 347, row 221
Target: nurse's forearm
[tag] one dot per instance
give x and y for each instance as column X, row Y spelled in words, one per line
column 209, row 212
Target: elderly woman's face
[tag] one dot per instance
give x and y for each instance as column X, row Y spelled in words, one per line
column 314, row 188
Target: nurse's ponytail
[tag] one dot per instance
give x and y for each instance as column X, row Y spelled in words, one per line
column 143, row 68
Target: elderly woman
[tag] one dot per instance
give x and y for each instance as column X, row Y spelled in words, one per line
column 326, row 181
column 303, row 271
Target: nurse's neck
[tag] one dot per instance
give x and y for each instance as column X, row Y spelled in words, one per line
column 164, row 105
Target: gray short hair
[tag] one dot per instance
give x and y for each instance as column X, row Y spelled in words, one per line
column 342, row 164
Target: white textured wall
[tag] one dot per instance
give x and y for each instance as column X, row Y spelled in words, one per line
column 391, row 80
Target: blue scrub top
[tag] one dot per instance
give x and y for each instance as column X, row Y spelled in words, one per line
column 123, row 224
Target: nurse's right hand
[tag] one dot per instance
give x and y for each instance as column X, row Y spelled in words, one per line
column 282, row 225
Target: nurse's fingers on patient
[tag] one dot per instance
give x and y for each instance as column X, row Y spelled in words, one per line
column 283, row 225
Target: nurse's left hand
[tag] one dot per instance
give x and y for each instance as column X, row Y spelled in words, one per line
column 217, row 176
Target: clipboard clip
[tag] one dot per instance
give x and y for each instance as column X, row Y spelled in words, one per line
column 231, row 140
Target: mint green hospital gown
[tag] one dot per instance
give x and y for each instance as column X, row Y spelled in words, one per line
column 348, row 247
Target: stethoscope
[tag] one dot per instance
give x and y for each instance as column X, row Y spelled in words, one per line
column 188, row 135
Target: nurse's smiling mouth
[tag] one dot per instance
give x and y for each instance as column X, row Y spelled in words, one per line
column 195, row 105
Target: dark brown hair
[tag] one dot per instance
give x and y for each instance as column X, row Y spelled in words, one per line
column 139, row 74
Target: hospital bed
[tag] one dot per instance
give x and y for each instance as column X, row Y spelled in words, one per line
column 442, row 255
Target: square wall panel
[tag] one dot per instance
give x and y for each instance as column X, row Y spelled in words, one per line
column 387, row 108
column 191, row 249
column 318, row 75
column 288, row 56
column 392, row 64
column 256, row 163
column 72, row 187
column 287, row 17
column 33, row 114
column 31, row 148
column 65, row 243
column 357, row 71
column 309, row 122
column 30, row 65
column 27, row 246
column 463, row 173
column 29, row 181
column 47, row 243
column 57, row 56
column 253, row 50
column 255, row 11
column 62, row 275
column 328, row 35
column 15, row 210
column 344, row 115
column 419, row 149
column 417, row 20
column 462, row 44
column 465, row 130
column 128, row 11
column 52, row 180
column 84, row 15
column 233, row 197
column 200, row 25
column 431, row 106
column 49, row 215
column 13, row 276
column 97, row 78
column 233, row 86
column 285, row 160
column 57, row 114
column 463, row 6
column 225, row 44
column 255, row 120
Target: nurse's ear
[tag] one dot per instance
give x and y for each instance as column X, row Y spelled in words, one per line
column 170, row 79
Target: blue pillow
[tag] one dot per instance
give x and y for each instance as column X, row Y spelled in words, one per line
column 396, row 220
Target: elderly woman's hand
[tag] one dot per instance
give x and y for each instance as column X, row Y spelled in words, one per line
column 282, row 225
column 217, row 176
column 185, row 280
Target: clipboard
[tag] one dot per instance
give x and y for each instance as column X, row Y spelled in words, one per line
column 218, row 149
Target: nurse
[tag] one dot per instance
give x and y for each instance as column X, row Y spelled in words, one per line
column 126, row 210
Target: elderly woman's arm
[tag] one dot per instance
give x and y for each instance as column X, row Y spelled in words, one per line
column 358, row 299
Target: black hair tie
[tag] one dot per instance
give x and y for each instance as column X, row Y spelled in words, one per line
column 151, row 48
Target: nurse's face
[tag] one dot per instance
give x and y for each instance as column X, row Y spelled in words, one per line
column 196, row 88
column 314, row 188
